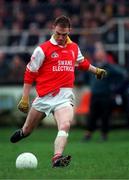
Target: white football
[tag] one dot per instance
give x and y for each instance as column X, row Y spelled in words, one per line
column 26, row 160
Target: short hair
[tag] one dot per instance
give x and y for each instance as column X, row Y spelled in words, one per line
column 63, row 21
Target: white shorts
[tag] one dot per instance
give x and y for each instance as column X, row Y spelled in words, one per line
column 50, row 103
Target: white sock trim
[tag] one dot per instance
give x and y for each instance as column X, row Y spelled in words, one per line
column 62, row 133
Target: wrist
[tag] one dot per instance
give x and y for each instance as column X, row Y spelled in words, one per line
column 97, row 70
column 92, row 69
column 25, row 98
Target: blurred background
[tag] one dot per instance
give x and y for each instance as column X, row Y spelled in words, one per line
column 95, row 24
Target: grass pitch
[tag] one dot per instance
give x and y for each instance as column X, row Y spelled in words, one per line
column 92, row 160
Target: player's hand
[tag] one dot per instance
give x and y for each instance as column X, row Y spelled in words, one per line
column 23, row 105
column 100, row 73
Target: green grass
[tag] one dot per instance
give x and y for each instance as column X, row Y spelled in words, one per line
column 92, row 160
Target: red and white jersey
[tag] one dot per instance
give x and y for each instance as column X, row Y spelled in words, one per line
column 52, row 66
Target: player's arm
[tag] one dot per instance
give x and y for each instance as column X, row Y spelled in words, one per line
column 84, row 64
column 30, row 75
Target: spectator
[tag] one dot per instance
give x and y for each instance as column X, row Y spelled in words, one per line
column 111, row 37
column 40, row 19
column 15, row 37
column 3, row 37
column 33, row 36
column 17, row 68
column 4, row 69
column 102, row 91
column 121, row 11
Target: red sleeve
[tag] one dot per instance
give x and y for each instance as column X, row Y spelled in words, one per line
column 84, row 65
column 29, row 77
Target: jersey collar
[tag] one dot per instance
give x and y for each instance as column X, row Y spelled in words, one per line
column 53, row 41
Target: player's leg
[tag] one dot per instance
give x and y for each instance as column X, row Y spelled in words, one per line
column 32, row 120
column 64, row 117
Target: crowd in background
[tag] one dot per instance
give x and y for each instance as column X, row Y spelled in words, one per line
column 90, row 13
column 32, row 16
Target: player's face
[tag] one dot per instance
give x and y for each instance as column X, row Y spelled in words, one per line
column 60, row 34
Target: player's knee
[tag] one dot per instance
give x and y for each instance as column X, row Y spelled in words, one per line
column 65, row 126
